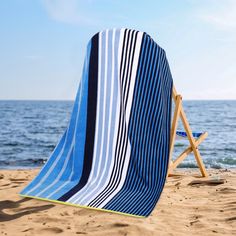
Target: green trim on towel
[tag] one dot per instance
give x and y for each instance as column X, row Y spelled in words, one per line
column 86, row 207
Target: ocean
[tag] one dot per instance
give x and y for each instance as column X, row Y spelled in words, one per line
column 29, row 131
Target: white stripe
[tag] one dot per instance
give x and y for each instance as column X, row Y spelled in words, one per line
column 122, row 33
column 60, row 154
column 100, row 120
column 63, row 185
column 66, row 160
column 128, row 46
column 104, row 108
column 133, row 74
column 116, row 119
column 123, row 64
column 123, row 176
column 50, row 169
column 61, row 172
column 98, row 117
column 128, row 108
column 121, row 102
column 62, row 150
column 129, row 61
column 73, row 165
column 98, row 187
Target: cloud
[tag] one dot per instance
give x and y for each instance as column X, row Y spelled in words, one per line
column 223, row 16
column 66, row 11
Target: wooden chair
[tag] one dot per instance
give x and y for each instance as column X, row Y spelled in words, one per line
column 194, row 143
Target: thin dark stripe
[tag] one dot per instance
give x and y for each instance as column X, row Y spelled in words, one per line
column 146, row 196
column 144, row 115
column 121, row 130
column 127, row 79
column 147, row 112
column 140, row 120
column 132, row 46
column 123, row 48
column 135, row 95
column 137, row 112
column 135, row 206
column 131, row 64
column 158, row 121
column 121, row 145
column 161, row 164
column 151, row 116
column 164, row 163
column 125, row 57
column 91, row 120
column 120, row 125
column 118, row 167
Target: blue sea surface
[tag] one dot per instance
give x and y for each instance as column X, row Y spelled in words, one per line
column 29, row 131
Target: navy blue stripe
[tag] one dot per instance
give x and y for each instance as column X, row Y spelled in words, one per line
column 120, row 150
column 136, row 184
column 149, row 155
column 122, row 132
column 163, row 162
column 134, row 110
column 91, row 120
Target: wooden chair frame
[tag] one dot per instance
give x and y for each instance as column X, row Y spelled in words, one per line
column 194, row 143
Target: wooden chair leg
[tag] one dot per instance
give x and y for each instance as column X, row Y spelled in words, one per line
column 175, row 123
column 179, row 112
column 173, row 130
column 193, row 143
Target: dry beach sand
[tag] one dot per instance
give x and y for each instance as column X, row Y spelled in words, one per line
column 182, row 210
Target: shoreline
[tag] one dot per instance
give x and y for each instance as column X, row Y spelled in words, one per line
column 181, row 210
column 179, row 169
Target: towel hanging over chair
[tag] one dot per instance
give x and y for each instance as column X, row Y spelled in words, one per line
column 114, row 153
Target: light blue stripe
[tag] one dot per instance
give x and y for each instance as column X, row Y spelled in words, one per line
column 101, row 100
column 112, row 114
column 161, row 161
column 117, row 201
column 139, row 185
column 116, row 176
column 137, row 199
column 101, row 148
column 96, row 155
column 47, row 165
column 159, row 144
column 67, row 143
column 75, row 163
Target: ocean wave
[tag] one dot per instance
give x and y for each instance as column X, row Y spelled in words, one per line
column 227, row 161
column 23, row 163
column 29, row 131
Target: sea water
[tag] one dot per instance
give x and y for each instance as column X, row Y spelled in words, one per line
column 29, row 131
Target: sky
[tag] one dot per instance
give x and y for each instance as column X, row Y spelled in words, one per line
column 43, row 42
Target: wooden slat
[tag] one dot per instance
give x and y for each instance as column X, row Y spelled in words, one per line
column 179, row 112
column 193, row 144
column 175, row 123
column 187, row 151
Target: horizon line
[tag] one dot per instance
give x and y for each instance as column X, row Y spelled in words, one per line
column 71, row 100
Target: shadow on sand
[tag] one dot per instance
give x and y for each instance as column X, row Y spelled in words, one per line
column 8, row 204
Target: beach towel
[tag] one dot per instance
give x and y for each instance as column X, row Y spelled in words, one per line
column 114, row 153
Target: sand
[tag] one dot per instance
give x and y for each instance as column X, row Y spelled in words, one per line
column 182, row 210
